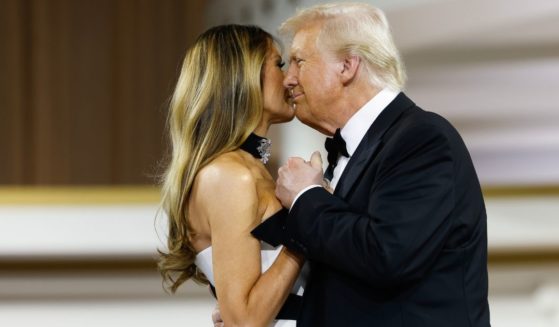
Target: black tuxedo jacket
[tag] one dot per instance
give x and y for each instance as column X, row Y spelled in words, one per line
column 403, row 240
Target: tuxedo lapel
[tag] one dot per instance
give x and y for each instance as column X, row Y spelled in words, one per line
column 358, row 162
column 368, row 146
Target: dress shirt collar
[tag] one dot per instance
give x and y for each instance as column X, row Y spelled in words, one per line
column 356, row 127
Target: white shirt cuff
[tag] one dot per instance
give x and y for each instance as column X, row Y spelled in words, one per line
column 301, row 193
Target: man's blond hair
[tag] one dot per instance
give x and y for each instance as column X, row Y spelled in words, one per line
column 354, row 29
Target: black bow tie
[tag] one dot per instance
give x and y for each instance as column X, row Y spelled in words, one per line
column 335, row 147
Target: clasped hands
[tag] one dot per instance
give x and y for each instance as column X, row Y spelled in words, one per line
column 296, row 175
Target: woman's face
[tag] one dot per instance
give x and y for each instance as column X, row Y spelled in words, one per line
column 276, row 108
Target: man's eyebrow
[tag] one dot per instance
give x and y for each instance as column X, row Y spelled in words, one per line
column 293, row 51
column 294, row 55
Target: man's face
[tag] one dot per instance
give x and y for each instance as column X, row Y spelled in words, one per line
column 313, row 80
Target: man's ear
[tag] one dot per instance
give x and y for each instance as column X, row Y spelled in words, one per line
column 350, row 67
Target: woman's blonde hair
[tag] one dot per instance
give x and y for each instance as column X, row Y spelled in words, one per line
column 216, row 104
column 354, row 29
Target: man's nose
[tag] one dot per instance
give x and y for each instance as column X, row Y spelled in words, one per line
column 290, row 79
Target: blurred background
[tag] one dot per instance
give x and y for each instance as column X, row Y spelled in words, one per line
column 84, row 87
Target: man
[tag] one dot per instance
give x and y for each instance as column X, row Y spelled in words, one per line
column 402, row 241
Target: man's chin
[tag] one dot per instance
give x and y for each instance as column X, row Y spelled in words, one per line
column 313, row 124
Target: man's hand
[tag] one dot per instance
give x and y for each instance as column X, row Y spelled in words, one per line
column 297, row 174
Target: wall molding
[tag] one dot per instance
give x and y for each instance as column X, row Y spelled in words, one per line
column 148, row 194
column 520, row 191
column 77, row 264
column 99, row 194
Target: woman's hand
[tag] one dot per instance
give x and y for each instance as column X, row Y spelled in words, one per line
column 216, row 317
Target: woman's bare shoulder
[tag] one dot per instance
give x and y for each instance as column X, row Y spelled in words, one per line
column 228, row 173
column 226, row 188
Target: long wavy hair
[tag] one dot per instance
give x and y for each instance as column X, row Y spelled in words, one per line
column 216, row 104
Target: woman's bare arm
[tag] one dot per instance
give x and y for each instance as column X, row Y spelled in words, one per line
column 227, row 196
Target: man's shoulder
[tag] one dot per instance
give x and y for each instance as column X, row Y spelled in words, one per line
column 417, row 119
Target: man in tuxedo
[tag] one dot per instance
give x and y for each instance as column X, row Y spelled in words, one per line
column 402, row 241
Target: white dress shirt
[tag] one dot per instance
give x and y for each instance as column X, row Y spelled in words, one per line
column 354, row 131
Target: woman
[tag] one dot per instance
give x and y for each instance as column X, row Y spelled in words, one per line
column 216, row 188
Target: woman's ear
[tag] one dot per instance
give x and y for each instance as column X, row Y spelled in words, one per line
column 350, row 66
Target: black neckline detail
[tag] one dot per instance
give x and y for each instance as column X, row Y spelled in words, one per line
column 257, row 146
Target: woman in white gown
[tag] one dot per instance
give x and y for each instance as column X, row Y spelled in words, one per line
column 216, row 189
